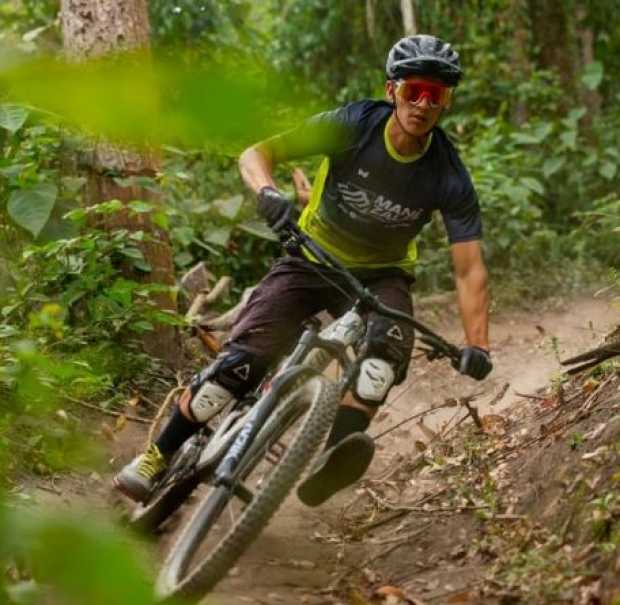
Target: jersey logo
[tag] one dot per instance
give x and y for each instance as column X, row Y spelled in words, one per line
column 396, row 333
column 363, row 173
column 366, row 204
column 242, row 372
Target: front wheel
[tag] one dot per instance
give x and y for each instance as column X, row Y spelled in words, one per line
column 228, row 520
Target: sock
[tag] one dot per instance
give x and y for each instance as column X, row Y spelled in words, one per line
column 178, row 430
column 348, row 420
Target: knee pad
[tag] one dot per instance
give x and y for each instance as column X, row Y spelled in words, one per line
column 376, row 377
column 386, row 339
column 233, row 374
column 210, row 399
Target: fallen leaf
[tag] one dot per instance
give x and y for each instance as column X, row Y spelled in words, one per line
column 494, row 424
column 133, row 402
column 590, row 385
column 357, row 598
column 121, row 421
column 386, row 591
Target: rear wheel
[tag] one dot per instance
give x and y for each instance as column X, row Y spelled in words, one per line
column 176, row 488
column 228, row 520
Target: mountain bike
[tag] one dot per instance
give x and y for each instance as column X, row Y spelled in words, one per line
column 249, row 462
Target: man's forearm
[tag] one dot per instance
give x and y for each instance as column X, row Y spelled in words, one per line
column 256, row 167
column 473, row 298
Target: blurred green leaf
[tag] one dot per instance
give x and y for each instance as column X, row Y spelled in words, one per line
column 533, row 185
column 569, row 139
column 218, row 235
column 552, row 165
column 230, row 207
column 608, row 170
column 140, row 207
column 593, row 75
column 12, row 117
column 259, row 229
column 159, row 101
column 31, row 208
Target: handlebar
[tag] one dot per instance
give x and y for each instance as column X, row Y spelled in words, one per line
column 293, row 238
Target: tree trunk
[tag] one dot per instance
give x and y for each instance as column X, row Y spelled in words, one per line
column 92, row 28
column 591, row 98
column 521, row 67
column 371, row 24
column 409, row 22
column 553, row 37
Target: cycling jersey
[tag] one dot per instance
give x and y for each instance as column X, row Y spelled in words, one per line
column 369, row 202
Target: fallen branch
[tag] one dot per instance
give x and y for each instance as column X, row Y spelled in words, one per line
column 473, row 412
column 448, row 404
column 406, row 539
column 399, row 513
column 500, row 395
column 526, row 396
column 226, row 321
column 161, row 412
column 97, row 408
column 206, row 298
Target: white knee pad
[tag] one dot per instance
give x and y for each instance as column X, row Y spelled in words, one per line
column 210, row 399
column 374, row 381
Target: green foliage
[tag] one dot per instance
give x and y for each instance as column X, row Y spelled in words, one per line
column 76, row 559
column 208, row 219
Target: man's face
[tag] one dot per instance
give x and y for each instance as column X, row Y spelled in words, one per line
column 419, row 102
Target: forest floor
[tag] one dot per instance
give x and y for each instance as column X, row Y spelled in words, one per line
column 524, row 509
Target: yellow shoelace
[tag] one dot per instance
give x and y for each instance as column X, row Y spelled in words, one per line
column 152, row 462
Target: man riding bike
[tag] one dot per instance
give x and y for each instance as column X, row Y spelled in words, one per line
column 387, row 167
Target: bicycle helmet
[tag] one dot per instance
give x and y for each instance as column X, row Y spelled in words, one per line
column 426, row 56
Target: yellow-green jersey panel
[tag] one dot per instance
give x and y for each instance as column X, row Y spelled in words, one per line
column 368, row 202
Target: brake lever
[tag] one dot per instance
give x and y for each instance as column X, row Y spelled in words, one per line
column 438, row 349
column 430, row 353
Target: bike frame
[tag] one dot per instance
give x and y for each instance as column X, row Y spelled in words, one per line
column 313, row 352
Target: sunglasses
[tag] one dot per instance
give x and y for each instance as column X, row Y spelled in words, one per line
column 413, row 91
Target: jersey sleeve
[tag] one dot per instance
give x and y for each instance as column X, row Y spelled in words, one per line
column 461, row 214
column 327, row 133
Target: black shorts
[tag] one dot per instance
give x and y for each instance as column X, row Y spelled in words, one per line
column 294, row 290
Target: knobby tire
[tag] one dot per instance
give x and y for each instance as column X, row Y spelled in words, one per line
column 319, row 416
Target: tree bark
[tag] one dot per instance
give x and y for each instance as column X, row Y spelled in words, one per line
column 520, row 60
column 371, row 23
column 591, row 98
column 553, row 37
column 409, row 21
column 92, row 28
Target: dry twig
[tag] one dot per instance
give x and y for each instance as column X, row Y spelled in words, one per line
column 162, row 410
column 92, row 406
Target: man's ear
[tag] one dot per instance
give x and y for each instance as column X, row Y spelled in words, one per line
column 389, row 92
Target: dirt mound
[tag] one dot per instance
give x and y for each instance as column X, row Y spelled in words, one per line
column 524, row 508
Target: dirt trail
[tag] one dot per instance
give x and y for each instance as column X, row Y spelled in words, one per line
column 300, row 554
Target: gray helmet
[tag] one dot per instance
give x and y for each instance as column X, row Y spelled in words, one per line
column 426, row 56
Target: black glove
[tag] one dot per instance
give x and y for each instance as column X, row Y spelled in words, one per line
column 275, row 208
column 474, row 362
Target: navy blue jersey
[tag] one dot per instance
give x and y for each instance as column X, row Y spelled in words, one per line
column 368, row 202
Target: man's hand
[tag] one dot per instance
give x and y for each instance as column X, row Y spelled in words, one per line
column 475, row 362
column 275, row 208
